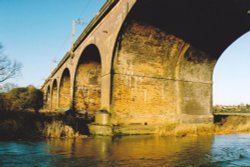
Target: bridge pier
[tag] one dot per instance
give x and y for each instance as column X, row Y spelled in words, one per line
column 159, row 78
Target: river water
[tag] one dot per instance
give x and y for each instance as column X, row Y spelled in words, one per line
column 129, row 151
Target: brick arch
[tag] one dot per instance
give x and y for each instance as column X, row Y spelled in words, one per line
column 87, row 81
column 164, row 66
column 65, row 90
column 54, row 95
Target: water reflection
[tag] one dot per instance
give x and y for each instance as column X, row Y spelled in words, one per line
column 162, row 151
column 145, row 151
column 133, row 151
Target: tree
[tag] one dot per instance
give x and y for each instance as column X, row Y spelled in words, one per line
column 8, row 68
column 35, row 98
column 22, row 99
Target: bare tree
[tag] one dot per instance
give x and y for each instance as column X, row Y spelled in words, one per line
column 8, row 68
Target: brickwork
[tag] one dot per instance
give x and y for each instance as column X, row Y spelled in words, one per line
column 152, row 62
column 87, row 88
column 54, row 96
column 195, row 85
column 156, row 73
column 64, row 91
column 144, row 66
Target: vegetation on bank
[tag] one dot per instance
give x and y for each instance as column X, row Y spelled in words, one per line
column 228, row 125
column 19, row 117
column 21, row 99
column 242, row 108
column 57, row 129
column 37, row 125
column 222, row 124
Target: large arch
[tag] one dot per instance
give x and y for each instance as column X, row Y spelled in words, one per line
column 54, row 95
column 165, row 55
column 87, row 91
column 64, row 90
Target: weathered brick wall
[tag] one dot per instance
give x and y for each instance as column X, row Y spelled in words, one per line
column 158, row 76
column 54, row 96
column 144, row 71
column 64, row 91
column 195, row 85
column 88, row 86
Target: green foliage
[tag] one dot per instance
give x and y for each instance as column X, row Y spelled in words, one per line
column 232, row 109
column 21, row 99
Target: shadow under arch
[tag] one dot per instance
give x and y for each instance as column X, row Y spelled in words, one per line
column 87, row 83
column 54, row 95
column 165, row 54
column 64, row 90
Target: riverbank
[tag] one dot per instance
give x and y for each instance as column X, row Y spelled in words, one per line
column 226, row 125
column 32, row 125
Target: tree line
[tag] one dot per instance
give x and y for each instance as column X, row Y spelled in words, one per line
column 11, row 97
column 21, row 99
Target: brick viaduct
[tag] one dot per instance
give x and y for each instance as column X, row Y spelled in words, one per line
column 148, row 61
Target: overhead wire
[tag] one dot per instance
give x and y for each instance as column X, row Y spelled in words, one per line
column 68, row 36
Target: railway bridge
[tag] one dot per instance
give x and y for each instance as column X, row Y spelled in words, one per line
column 148, row 62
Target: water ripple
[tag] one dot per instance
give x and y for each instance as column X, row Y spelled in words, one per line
column 138, row 151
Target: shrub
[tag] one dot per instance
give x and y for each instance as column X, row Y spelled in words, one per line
column 57, row 129
column 20, row 99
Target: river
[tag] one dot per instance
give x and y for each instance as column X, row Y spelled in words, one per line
column 129, row 151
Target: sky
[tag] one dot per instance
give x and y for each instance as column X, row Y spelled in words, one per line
column 231, row 78
column 37, row 33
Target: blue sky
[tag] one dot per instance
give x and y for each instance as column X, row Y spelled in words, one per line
column 232, row 73
column 36, row 32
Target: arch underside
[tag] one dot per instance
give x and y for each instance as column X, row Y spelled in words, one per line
column 165, row 56
column 64, row 94
column 87, row 95
column 54, row 96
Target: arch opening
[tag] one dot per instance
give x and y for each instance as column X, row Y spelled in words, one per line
column 230, row 81
column 54, row 96
column 87, row 92
column 64, row 91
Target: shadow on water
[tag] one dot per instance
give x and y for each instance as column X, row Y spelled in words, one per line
column 224, row 150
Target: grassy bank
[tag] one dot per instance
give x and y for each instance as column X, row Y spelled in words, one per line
column 228, row 125
column 232, row 108
column 37, row 125
column 31, row 125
